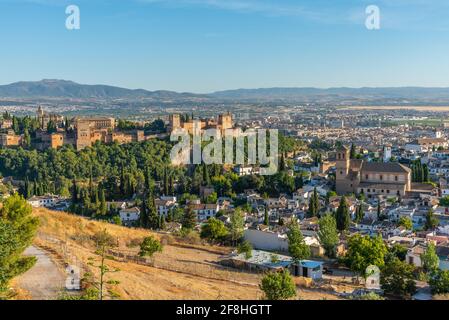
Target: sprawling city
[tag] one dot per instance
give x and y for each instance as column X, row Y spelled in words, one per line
column 289, row 192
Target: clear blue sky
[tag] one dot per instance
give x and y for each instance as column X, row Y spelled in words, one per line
column 207, row 45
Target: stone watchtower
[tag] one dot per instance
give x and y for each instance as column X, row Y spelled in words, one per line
column 175, row 122
column 225, row 121
column 343, row 162
column 40, row 116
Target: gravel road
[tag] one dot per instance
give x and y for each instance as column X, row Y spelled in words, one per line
column 44, row 281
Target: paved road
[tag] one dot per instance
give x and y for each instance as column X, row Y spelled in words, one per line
column 44, row 281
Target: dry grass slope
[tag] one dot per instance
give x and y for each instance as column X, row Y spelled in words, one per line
column 181, row 271
column 195, row 273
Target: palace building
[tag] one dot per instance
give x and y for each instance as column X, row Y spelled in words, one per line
column 224, row 122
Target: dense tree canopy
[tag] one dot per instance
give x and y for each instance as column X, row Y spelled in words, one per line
column 328, row 234
column 17, row 229
column 278, row 286
column 364, row 251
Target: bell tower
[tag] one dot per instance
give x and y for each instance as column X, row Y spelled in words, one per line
column 342, row 166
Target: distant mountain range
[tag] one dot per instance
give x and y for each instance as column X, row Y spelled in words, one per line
column 49, row 88
column 62, row 89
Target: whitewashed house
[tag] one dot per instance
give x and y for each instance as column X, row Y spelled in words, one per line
column 129, row 216
column 43, row 201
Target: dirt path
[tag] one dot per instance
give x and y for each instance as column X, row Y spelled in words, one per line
column 44, row 281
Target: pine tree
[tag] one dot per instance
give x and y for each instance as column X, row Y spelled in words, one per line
column 342, row 215
column 17, row 230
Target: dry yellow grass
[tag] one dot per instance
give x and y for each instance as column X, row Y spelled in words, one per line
column 195, row 275
column 181, row 271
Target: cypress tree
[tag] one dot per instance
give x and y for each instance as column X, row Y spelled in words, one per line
column 359, row 213
column 172, row 186
column 166, row 187
column 74, row 192
column 162, row 222
column 206, row 179
column 122, row 183
column 266, row 218
column 299, row 182
column 153, row 219
column 342, row 215
column 282, row 163
column 103, row 208
column 425, row 173
column 189, row 219
column 352, row 153
column 144, row 219
column 314, row 204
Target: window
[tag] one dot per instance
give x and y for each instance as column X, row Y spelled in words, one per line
column 369, row 190
column 388, row 191
column 381, row 177
column 396, row 178
column 366, row 176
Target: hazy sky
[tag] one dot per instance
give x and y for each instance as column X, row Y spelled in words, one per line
column 207, row 45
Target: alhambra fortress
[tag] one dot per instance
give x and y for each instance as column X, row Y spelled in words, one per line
column 82, row 132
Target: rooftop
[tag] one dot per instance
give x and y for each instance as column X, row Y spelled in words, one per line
column 265, row 259
column 390, row 167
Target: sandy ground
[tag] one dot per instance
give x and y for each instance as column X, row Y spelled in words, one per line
column 44, row 281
